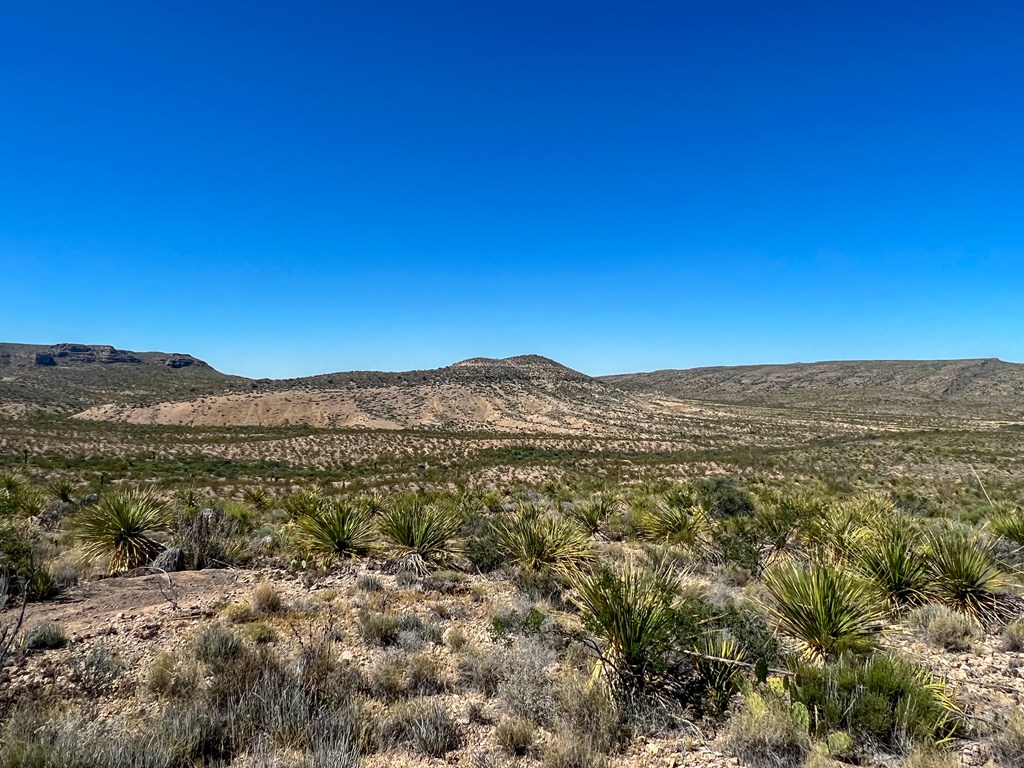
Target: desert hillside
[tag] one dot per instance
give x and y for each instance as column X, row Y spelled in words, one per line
column 527, row 393
column 983, row 381
column 517, row 394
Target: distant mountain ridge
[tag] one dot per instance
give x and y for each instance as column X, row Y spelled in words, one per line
column 987, row 380
column 521, row 393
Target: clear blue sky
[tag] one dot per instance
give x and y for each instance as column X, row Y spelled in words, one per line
column 292, row 188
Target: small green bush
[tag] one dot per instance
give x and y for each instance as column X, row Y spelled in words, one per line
column 882, row 700
column 1013, row 637
column 216, row 646
column 1009, row 743
column 266, row 599
column 45, row 637
column 424, row 726
column 384, row 629
column 945, row 627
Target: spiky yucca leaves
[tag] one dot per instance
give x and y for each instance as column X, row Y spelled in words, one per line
column 541, row 544
column 824, row 610
column 120, row 528
column 718, row 664
column 335, row 529
column 422, row 533
column 62, row 490
column 631, row 611
column 966, row 577
column 302, row 503
column 257, row 498
column 591, row 513
column 1008, row 522
column 894, row 562
column 675, row 520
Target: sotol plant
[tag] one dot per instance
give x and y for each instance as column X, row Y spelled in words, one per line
column 120, row 527
column 894, row 562
column 824, row 610
column 335, row 529
column 967, row 578
column 421, row 533
column 541, row 544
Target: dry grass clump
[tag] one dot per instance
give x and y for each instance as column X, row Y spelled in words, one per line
column 944, row 627
column 424, row 726
column 1009, row 741
column 516, row 735
column 768, row 732
column 266, row 599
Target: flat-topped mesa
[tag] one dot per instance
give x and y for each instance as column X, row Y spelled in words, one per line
column 66, row 354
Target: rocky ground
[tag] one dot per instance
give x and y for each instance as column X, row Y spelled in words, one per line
column 141, row 616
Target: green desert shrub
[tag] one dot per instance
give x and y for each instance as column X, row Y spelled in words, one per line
column 1008, row 523
column 880, row 701
column 966, row 577
column 121, row 528
column 677, row 520
column 591, row 514
column 718, row 665
column 331, row 529
column 216, row 646
column 824, row 610
column 944, row 627
column 266, row 599
column 1009, row 742
column 1013, row 637
column 386, row 629
column 516, row 735
column 567, row 750
column 424, row 726
column 421, row 533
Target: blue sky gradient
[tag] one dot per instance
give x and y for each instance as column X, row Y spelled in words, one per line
column 287, row 189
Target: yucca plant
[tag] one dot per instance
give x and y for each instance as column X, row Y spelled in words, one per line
column 966, row 577
column 591, row 514
column 335, row 529
column 63, row 490
column 1008, row 523
column 631, row 612
column 542, row 544
column 257, row 498
column 302, row 503
column 718, row 659
column 824, row 610
column 894, row 562
column 421, row 533
column 670, row 520
column 120, row 528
